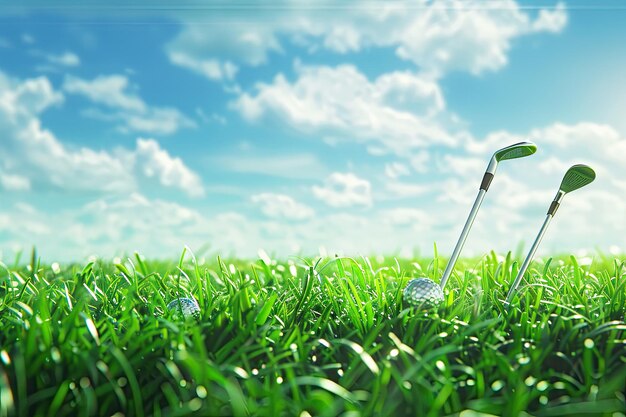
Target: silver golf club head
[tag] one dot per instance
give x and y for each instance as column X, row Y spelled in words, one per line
column 576, row 177
column 423, row 291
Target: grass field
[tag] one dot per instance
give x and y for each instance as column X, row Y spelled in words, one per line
column 318, row 337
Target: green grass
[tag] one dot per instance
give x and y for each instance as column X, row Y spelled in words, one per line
column 318, row 337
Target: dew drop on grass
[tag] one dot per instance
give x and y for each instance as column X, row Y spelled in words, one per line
column 530, row 381
column 201, row 391
column 394, row 353
column 440, row 365
column 195, row 404
column 84, row 382
column 559, row 385
column 55, row 354
column 121, row 381
column 293, row 347
column 407, row 385
column 543, row 400
column 279, row 380
column 542, row 386
column 589, row 343
column 5, row 357
column 182, row 383
column 255, row 371
column 340, row 372
column 102, row 367
column 241, row 372
column 324, row 343
column 497, row 385
column 523, row 360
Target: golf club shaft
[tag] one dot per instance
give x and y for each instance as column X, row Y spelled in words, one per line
column 464, row 233
column 528, row 259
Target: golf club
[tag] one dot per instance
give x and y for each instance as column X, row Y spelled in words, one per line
column 422, row 291
column 576, row 177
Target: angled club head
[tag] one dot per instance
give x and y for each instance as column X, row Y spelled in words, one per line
column 577, row 177
column 518, row 150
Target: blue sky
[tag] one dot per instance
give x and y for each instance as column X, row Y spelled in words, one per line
column 361, row 128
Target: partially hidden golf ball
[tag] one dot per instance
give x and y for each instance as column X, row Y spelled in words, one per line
column 423, row 292
column 187, row 306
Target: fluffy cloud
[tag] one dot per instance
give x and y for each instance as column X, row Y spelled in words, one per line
column 396, row 169
column 438, row 36
column 213, row 69
column 171, row 172
column 403, row 216
column 126, row 107
column 344, row 190
column 107, row 227
column 397, row 189
column 27, row 97
column 53, row 62
column 297, row 166
column 342, row 103
column 108, row 90
column 117, row 226
column 282, row 206
column 66, row 59
column 32, row 156
column 11, row 182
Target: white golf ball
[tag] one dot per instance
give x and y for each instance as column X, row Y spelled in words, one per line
column 423, row 293
column 187, row 306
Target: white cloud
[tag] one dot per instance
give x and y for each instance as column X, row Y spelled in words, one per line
column 403, row 216
column 463, row 165
column 439, row 37
column 66, row 59
column 213, row 69
column 213, row 51
column 27, row 39
column 116, row 93
column 157, row 121
column 292, row 166
column 360, row 110
column 551, row 20
column 33, row 155
column 30, row 96
column 344, row 190
column 403, row 189
column 396, row 169
column 171, row 172
column 14, row 182
column 419, row 161
column 54, row 61
column 109, row 90
column 470, row 36
column 106, row 227
column 282, row 206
